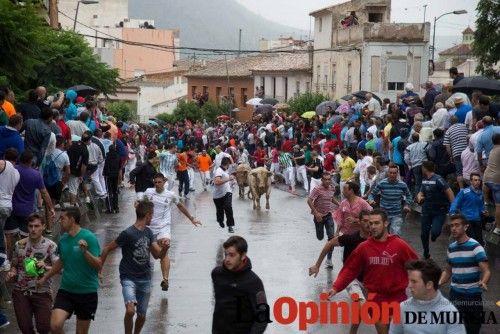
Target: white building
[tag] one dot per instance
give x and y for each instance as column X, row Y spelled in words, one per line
column 373, row 55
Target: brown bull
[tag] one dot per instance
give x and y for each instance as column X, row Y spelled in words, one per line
column 242, row 172
column 259, row 181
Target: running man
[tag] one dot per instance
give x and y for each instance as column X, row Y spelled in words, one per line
column 163, row 201
column 80, row 262
column 137, row 242
column 381, row 254
column 204, row 162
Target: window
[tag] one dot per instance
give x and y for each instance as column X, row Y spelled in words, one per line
column 286, row 88
column 375, row 17
column 218, row 92
column 274, row 87
column 349, row 78
column 205, row 90
column 193, row 91
column 308, row 86
column 297, row 88
column 244, row 96
column 396, row 74
column 334, row 75
column 318, row 76
column 320, row 24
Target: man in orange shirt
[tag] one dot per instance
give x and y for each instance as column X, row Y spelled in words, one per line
column 204, row 163
column 182, row 173
column 8, row 104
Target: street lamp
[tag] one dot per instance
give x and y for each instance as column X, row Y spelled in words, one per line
column 456, row 12
column 85, row 2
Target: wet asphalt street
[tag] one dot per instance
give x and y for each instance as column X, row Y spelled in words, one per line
column 282, row 245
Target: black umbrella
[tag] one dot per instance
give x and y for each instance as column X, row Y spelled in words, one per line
column 263, row 108
column 346, row 97
column 323, row 107
column 270, row 101
column 362, row 93
column 84, row 90
column 485, row 85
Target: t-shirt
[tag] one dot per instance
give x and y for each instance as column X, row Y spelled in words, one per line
column 347, row 167
column 162, row 213
column 434, row 190
column 204, row 163
column 464, row 260
column 61, row 159
column 45, row 250
column 322, row 199
column 78, row 155
column 319, row 173
column 9, row 177
column 492, row 172
column 182, row 158
column 23, row 200
column 78, row 275
column 221, row 190
column 350, row 242
column 135, row 245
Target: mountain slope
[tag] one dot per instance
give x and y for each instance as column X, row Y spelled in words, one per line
column 210, row 23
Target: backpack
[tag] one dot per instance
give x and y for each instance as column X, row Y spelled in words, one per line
column 50, row 171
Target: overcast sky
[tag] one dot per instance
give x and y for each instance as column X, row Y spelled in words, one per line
column 295, row 13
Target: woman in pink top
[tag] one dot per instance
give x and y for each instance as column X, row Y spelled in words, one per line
column 347, row 214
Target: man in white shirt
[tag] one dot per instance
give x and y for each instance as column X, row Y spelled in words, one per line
column 95, row 159
column 220, row 155
column 161, row 222
column 374, row 108
column 222, row 195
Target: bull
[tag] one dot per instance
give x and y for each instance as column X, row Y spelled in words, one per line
column 259, row 181
column 242, row 172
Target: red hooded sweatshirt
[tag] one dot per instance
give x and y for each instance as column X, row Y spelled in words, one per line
column 382, row 265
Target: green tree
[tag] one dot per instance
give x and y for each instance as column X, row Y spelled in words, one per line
column 210, row 111
column 486, row 46
column 167, row 118
column 123, row 111
column 32, row 54
column 306, row 102
column 187, row 110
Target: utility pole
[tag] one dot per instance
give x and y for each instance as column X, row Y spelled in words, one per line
column 229, row 97
column 425, row 9
column 239, row 45
column 53, row 14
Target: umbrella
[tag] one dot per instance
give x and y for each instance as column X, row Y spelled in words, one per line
column 346, row 97
column 485, row 85
column 361, row 95
column 264, row 108
column 84, row 90
column 323, row 107
column 269, row 100
column 254, row 101
column 153, row 123
column 281, row 106
column 308, row 114
column 343, row 108
column 223, row 118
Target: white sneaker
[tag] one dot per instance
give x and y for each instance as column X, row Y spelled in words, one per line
column 497, row 230
column 87, row 200
column 328, row 264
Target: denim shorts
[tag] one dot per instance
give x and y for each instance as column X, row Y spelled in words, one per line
column 137, row 292
column 495, row 191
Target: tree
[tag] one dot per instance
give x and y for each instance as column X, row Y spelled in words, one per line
column 486, row 46
column 306, row 102
column 32, row 54
column 123, row 111
column 187, row 110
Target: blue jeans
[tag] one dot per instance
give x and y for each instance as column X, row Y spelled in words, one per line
column 431, row 223
column 137, row 292
column 325, row 224
column 395, row 223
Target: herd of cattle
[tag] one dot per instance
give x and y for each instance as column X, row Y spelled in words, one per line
column 258, row 180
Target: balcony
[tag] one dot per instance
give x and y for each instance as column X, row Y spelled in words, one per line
column 382, row 32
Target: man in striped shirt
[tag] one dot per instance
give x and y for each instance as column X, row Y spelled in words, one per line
column 321, row 201
column 469, row 271
column 286, row 161
column 456, row 134
column 168, row 165
column 392, row 193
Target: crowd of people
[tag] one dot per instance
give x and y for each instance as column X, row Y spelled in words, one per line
column 364, row 166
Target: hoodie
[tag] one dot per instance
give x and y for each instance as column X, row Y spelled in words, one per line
column 71, row 110
column 241, row 290
column 10, row 137
column 375, row 259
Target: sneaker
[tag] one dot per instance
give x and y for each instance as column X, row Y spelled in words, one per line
column 191, row 189
column 164, row 285
column 4, row 322
column 48, row 231
column 87, row 200
column 427, row 256
column 433, row 238
column 221, row 224
column 5, row 266
column 204, row 189
column 230, row 229
column 497, row 230
column 329, row 264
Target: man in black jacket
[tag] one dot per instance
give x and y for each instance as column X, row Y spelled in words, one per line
column 142, row 176
column 111, row 172
column 240, row 299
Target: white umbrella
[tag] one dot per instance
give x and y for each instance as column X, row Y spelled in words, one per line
column 254, row 101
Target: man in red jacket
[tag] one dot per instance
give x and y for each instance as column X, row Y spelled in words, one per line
column 382, row 260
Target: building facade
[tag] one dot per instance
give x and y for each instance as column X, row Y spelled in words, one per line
column 369, row 54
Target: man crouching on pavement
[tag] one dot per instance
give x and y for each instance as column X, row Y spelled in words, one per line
column 240, row 299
